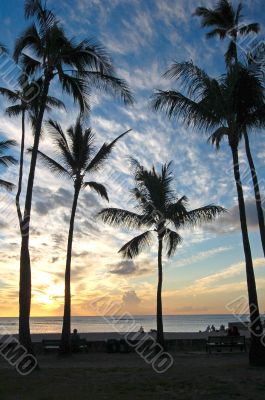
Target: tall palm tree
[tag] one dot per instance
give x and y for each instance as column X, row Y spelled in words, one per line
column 225, row 20
column 158, row 208
column 224, row 107
column 76, row 67
column 23, row 102
column 76, row 159
column 6, row 160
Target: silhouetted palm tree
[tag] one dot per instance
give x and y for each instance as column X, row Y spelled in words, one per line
column 226, row 21
column 76, row 159
column 224, row 107
column 24, row 102
column 158, row 208
column 6, row 160
column 77, row 67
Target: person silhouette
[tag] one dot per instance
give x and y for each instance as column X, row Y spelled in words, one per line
column 75, row 341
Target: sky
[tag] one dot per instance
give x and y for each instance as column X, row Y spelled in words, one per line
column 207, row 273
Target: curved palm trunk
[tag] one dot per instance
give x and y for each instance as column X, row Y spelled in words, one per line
column 256, row 191
column 159, row 312
column 257, row 350
column 66, row 331
column 20, row 177
column 25, row 267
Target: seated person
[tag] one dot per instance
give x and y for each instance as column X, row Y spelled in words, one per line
column 213, row 328
column 141, row 330
column 75, row 341
column 235, row 331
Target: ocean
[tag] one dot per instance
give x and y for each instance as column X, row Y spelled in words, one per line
column 172, row 323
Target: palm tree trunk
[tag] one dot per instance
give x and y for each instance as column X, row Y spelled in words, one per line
column 257, row 350
column 159, row 312
column 20, row 177
column 66, row 331
column 25, row 267
column 257, row 191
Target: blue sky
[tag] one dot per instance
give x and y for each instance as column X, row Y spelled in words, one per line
column 143, row 38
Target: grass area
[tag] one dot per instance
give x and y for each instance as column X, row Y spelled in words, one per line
column 126, row 377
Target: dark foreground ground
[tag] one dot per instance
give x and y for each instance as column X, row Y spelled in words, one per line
column 126, row 376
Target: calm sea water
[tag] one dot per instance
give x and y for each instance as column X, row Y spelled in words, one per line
column 174, row 323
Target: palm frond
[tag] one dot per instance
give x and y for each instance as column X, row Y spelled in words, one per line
column 136, row 245
column 56, row 131
column 87, row 55
column 238, row 15
column 53, row 165
column 210, row 17
column 204, row 214
column 55, row 103
column 110, row 84
column 231, row 53
column 155, row 188
column 11, row 96
column 249, row 28
column 216, row 137
column 28, row 39
column 176, row 105
column 14, row 111
column 6, row 161
column 221, row 32
column 61, row 144
column 118, row 217
column 177, row 212
column 194, row 79
column 30, row 65
column 32, row 7
column 45, row 17
column 78, row 88
column 7, row 144
column 173, row 240
column 7, row 185
column 100, row 189
column 104, row 152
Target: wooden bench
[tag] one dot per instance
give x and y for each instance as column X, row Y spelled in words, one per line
column 219, row 342
column 54, row 344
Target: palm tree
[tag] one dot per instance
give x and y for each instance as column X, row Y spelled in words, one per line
column 77, row 67
column 158, row 208
column 6, row 160
column 225, row 20
column 76, row 159
column 224, row 107
column 24, row 102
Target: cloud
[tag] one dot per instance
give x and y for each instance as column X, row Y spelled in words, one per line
column 130, row 298
column 230, row 222
column 201, row 256
column 48, row 201
column 129, row 268
column 219, row 281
